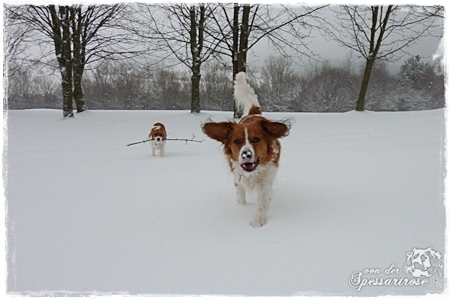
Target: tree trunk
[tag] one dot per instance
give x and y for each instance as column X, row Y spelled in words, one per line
column 374, row 47
column 66, row 63
column 240, row 45
column 235, row 54
column 243, row 39
column 195, row 94
column 78, row 59
column 235, row 40
column 196, row 39
column 61, row 40
column 78, row 93
column 360, row 104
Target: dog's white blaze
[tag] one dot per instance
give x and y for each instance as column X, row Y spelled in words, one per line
column 247, row 147
column 247, row 142
column 246, row 135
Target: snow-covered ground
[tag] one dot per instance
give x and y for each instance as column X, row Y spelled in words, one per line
column 355, row 192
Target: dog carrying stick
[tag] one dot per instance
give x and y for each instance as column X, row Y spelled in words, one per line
column 186, row 140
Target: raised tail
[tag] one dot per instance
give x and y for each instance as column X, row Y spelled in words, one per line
column 245, row 96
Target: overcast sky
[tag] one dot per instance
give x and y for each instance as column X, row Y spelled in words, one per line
column 326, row 49
column 330, row 50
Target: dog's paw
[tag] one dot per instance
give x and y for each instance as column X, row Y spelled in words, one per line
column 241, row 198
column 258, row 222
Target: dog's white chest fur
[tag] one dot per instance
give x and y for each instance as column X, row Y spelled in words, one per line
column 261, row 181
column 158, row 145
column 262, row 175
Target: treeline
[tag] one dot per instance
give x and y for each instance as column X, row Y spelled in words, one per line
column 91, row 48
column 323, row 88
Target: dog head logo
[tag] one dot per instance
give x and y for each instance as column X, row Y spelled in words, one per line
column 424, row 263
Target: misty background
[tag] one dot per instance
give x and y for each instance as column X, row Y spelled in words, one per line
column 323, row 77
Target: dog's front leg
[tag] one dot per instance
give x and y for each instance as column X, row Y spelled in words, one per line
column 240, row 194
column 161, row 149
column 240, row 191
column 264, row 197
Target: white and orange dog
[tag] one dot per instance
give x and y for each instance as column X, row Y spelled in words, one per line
column 251, row 147
column 158, row 136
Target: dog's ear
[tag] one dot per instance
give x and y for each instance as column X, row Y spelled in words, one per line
column 277, row 129
column 218, row 131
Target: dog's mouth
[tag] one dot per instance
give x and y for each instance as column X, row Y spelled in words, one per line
column 250, row 166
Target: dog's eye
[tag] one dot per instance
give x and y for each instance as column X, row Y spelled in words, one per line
column 256, row 140
column 237, row 142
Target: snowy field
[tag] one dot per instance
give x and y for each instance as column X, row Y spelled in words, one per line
column 87, row 215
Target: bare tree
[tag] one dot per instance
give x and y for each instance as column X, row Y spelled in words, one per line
column 239, row 28
column 381, row 33
column 15, row 35
column 180, row 29
column 79, row 34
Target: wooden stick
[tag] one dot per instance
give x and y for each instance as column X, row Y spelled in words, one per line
column 144, row 141
column 186, row 140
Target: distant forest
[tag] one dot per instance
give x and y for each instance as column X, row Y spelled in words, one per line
column 323, row 88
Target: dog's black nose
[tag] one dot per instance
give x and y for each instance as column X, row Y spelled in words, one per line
column 247, row 155
column 158, row 139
